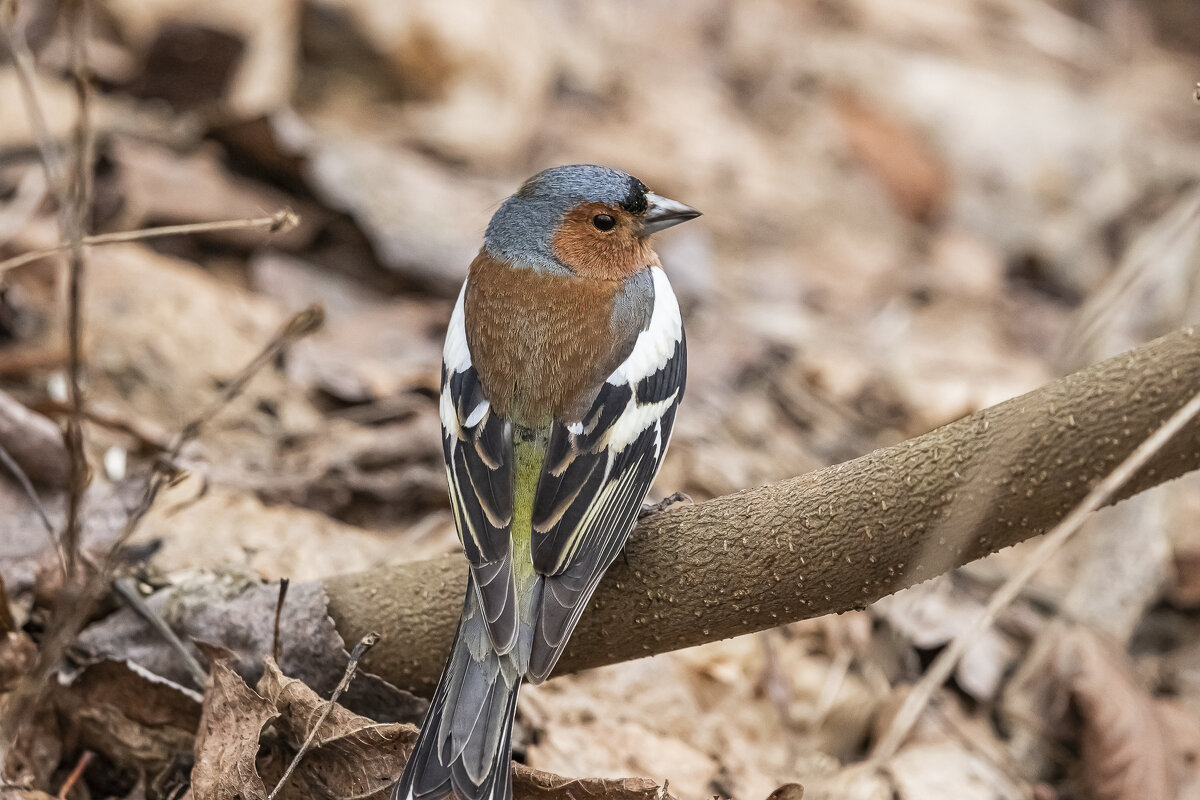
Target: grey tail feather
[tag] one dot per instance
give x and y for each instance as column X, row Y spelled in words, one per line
column 464, row 748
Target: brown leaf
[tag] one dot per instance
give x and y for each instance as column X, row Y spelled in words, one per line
column 369, row 349
column 17, row 652
column 27, row 560
column 139, row 721
column 17, row 793
column 354, row 757
column 1127, row 750
column 897, row 156
column 35, row 754
column 227, row 742
column 201, row 608
column 789, row 791
column 422, row 222
column 165, row 187
column 351, row 756
column 1184, row 591
column 372, row 470
column 34, row 442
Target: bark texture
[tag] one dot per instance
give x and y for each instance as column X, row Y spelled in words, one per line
column 835, row 539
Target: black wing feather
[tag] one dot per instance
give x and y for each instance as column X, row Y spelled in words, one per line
column 588, row 497
column 479, row 461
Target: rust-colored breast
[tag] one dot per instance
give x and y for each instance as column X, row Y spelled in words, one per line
column 542, row 344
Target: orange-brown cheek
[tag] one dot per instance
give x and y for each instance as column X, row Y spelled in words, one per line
column 610, row 255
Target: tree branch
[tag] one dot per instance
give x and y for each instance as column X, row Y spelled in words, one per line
column 833, row 540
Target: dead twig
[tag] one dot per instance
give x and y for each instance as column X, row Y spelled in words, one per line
column 15, row 470
column 301, row 324
column 283, row 590
column 127, row 590
column 73, row 226
column 27, row 81
column 1100, row 494
column 74, row 614
column 146, row 441
column 360, row 649
column 72, row 206
column 76, row 774
column 282, row 220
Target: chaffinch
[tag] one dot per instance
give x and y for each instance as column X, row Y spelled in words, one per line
column 563, row 366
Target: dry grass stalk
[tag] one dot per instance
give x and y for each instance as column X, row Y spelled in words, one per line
column 1101, row 493
column 282, row 220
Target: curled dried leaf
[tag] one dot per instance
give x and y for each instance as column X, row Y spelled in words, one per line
column 139, row 721
column 353, row 756
column 227, row 742
column 1128, row 752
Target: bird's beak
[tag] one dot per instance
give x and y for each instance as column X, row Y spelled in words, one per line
column 661, row 213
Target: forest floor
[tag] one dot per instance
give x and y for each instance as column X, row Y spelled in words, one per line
column 911, row 211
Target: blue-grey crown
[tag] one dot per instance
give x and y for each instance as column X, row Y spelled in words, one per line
column 522, row 229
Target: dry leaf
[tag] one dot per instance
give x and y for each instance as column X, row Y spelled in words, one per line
column 930, row 614
column 35, row 755
column 368, row 349
column 232, row 530
column 201, row 607
column 34, row 442
column 139, row 721
column 17, row 652
column 898, row 156
column 159, row 186
column 227, row 741
column 789, row 791
column 948, row 771
column 1128, row 752
column 353, row 756
column 18, row 793
column 422, row 222
column 1184, row 591
column 27, row 559
column 349, row 470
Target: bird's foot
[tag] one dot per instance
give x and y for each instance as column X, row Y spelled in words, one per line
column 650, row 509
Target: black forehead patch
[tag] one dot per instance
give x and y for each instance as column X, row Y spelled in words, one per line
column 635, row 200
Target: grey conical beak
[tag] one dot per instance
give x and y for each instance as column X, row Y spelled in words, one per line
column 661, row 213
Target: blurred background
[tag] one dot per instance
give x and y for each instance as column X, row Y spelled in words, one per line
column 912, row 210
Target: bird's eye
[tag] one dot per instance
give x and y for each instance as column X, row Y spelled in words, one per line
column 603, row 222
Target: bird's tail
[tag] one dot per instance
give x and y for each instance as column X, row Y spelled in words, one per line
column 464, row 748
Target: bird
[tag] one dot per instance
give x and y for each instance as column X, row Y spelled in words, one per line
column 563, row 366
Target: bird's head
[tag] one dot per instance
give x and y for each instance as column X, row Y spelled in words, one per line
column 583, row 220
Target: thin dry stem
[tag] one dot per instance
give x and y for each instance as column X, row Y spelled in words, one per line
column 73, row 207
column 283, row 590
column 299, row 325
column 76, row 774
column 148, row 442
column 1100, row 494
column 360, row 649
column 127, row 590
column 282, row 220
column 30, row 98
column 23, row 699
column 15, row 470
column 73, row 227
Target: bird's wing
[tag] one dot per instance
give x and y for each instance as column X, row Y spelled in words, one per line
column 477, row 445
column 596, row 473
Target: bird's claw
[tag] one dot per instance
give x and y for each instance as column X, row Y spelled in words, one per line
column 650, row 509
